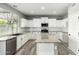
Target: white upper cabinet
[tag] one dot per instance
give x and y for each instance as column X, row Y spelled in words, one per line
column 44, row 20
column 30, row 23
column 36, row 22
column 26, row 23
column 23, row 22
column 57, row 23
column 52, row 22
column 19, row 41
column 60, row 23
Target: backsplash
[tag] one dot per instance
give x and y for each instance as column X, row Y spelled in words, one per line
column 38, row 29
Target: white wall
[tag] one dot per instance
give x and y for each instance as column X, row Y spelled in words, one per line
column 73, row 28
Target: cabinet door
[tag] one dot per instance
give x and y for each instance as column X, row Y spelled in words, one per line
column 44, row 20
column 45, row 49
column 37, row 23
column 30, row 23
column 60, row 23
column 52, row 22
column 23, row 22
column 73, row 44
column 33, row 36
column 36, row 35
column 19, row 42
column 59, row 35
column 24, row 39
column 2, row 47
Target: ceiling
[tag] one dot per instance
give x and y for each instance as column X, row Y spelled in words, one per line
column 54, row 9
column 4, row 10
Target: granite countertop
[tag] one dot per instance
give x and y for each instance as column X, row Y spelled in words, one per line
column 6, row 38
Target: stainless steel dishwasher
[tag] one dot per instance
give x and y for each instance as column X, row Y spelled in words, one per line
column 11, row 46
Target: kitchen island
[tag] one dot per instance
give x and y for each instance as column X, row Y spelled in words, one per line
column 47, row 46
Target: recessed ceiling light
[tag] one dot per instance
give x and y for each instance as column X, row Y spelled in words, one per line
column 42, row 8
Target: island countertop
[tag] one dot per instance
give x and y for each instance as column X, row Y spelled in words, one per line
column 51, row 39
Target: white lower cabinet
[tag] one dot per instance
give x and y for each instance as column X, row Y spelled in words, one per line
column 2, row 47
column 45, row 49
column 35, row 35
column 24, row 39
column 21, row 40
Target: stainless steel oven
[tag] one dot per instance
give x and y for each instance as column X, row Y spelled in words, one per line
column 44, row 24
